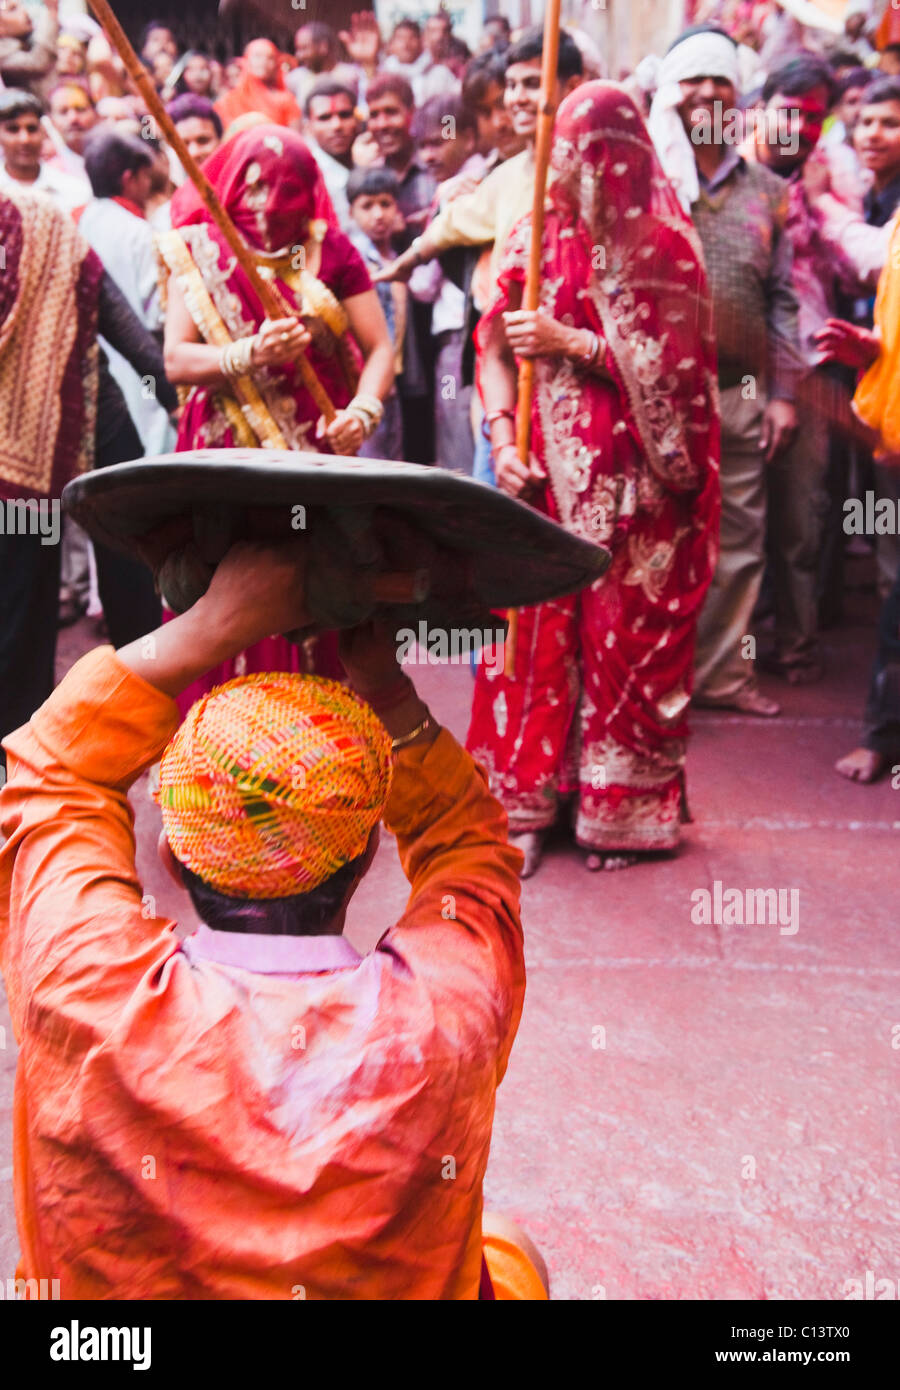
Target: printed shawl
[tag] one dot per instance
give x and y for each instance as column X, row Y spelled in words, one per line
column 49, row 358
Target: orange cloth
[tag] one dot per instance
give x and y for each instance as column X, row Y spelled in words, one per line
column 188, row 1129
column 512, row 1272
column 252, row 94
column 877, row 399
column 888, row 30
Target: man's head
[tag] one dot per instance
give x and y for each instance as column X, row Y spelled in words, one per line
column 71, row 56
column 262, row 60
column 405, row 43
column 849, row 95
column 119, row 166
column 162, row 65
column 15, row 21
column 391, row 109
column 877, row 134
column 198, row 123
column 842, row 62
column 797, row 98
column 436, row 35
column 316, row 47
column 271, row 793
column 330, row 110
column 523, row 77
column 197, row 76
column 889, row 62
column 703, row 61
column 372, row 195
column 21, row 133
column 157, row 38
column 482, row 92
column 497, row 33
column 445, row 131
column 73, row 113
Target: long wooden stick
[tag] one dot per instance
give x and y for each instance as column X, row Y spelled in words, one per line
column 266, row 293
column 531, row 295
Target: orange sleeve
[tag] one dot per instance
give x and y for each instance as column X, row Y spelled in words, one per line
column 76, row 934
column 461, row 930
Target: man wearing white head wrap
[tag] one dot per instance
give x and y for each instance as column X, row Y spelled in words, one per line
column 739, row 211
column 700, row 55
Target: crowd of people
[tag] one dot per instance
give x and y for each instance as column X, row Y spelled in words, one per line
column 716, row 354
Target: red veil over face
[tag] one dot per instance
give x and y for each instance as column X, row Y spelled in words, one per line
column 646, row 279
column 270, row 185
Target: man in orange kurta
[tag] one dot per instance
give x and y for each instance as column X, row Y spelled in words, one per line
column 242, row 1115
column 261, row 89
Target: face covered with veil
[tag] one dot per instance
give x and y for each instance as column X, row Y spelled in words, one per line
column 645, row 277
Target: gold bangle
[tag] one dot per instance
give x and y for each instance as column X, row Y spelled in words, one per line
column 409, row 738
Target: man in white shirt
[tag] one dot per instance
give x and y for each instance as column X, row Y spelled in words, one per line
column 331, row 128
column 412, row 60
column 446, row 135
column 120, row 168
column 317, row 51
column 21, row 141
column 71, row 118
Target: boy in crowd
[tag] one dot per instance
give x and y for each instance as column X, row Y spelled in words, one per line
column 374, row 216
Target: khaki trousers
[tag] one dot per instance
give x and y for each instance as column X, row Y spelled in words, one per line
column 798, row 516
column 722, row 669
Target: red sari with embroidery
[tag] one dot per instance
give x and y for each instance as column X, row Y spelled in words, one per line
column 270, row 185
column 597, row 704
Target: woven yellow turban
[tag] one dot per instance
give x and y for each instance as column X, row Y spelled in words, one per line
column 272, row 783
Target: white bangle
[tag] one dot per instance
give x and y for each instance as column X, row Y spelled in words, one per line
column 237, row 357
column 368, row 425
column 369, row 404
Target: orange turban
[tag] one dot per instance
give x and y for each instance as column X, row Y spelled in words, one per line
column 272, row 783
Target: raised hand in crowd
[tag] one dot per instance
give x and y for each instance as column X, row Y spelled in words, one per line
column 363, row 40
column 817, row 175
column 848, row 344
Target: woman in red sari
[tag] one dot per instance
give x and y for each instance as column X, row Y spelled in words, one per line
column 625, row 446
column 245, row 389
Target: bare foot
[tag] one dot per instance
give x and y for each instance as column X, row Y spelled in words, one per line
column 594, row 862
column 531, row 843
column 749, row 700
column 862, row 765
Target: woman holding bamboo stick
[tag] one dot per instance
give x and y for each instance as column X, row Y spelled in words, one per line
column 241, row 369
column 624, row 451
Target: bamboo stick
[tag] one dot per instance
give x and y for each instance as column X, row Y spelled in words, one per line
column 531, row 295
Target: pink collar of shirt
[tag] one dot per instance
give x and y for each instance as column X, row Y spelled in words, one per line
column 271, row 955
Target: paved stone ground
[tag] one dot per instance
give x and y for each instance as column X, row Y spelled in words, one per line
column 691, row 1111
